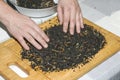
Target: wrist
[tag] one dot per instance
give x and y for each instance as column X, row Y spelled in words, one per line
column 6, row 13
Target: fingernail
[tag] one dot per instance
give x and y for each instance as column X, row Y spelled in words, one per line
column 48, row 40
column 46, row 46
column 72, row 33
column 39, row 47
column 78, row 31
column 65, row 30
column 27, row 48
column 82, row 26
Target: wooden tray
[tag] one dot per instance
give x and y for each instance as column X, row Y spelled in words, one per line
column 10, row 54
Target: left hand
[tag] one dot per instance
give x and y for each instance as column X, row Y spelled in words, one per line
column 69, row 12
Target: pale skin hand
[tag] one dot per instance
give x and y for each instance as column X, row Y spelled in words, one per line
column 22, row 27
column 69, row 12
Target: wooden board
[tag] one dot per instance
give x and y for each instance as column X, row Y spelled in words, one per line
column 10, row 54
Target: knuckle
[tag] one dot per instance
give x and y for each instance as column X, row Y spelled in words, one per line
column 68, row 9
column 66, row 20
column 73, row 8
column 71, row 27
column 43, row 36
column 65, row 27
column 42, row 41
column 30, row 39
column 20, row 39
column 35, row 34
column 78, row 19
column 58, row 8
column 72, row 5
column 27, row 28
column 72, row 21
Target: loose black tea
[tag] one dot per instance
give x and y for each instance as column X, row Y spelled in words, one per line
column 35, row 4
column 65, row 51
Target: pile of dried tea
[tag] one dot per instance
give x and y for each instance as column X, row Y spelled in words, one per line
column 35, row 4
column 65, row 51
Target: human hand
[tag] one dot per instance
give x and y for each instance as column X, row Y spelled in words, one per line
column 22, row 27
column 69, row 12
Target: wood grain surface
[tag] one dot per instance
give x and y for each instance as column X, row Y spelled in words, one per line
column 10, row 54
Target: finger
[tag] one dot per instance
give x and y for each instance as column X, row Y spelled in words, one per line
column 72, row 20
column 60, row 14
column 38, row 37
column 43, row 35
column 78, row 22
column 22, row 42
column 40, row 32
column 66, row 19
column 29, row 38
column 81, row 21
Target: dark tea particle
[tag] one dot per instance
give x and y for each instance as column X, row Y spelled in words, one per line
column 65, row 51
column 35, row 4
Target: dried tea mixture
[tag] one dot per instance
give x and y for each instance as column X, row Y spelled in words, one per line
column 35, row 4
column 65, row 51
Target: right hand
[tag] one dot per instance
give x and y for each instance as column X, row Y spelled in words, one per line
column 22, row 27
column 69, row 12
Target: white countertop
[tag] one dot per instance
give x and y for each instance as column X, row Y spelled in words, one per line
column 106, row 70
column 109, row 69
